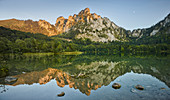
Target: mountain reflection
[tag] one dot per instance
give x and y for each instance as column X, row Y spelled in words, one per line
column 93, row 76
column 90, row 73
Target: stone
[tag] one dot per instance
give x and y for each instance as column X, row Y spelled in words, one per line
column 162, row 88
column 10, row 79
column 61, row 94
column 139, row 87
column 73, row 76
column 23, row 72
column 81, row 76
column 116, row 85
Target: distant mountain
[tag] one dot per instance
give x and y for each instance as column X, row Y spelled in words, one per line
column 86, row 25
column 162, row 27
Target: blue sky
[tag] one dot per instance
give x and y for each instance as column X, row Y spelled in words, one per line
column 129, row 14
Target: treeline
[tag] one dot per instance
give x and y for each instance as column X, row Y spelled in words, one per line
column 12, row 41
column 117, row 47
column 155, row 39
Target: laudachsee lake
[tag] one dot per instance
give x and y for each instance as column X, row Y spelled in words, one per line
column 84, row 77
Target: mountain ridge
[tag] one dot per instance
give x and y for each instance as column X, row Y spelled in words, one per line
column 163, row 25
column 87, row 25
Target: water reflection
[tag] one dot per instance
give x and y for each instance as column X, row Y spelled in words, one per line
column 85, row 73
column 85, row 83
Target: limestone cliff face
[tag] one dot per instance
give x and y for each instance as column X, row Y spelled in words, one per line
column 64, row 25
column 50, row 28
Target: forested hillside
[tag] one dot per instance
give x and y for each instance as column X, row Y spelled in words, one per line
column 12, row 41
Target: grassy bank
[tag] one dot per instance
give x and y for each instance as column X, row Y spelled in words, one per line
column 69, row 53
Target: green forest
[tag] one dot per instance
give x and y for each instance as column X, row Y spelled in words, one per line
column 13, row 41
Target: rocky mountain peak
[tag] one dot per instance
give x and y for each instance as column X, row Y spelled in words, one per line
column 60, row 19
column 44, row 24
column 84, row 16
column 64, row 25
column 86, row 11
column 90, row 25
column 70, row 18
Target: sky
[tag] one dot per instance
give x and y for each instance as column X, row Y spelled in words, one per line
column 129, row 14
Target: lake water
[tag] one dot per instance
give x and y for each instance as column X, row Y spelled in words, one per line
column 85, row 77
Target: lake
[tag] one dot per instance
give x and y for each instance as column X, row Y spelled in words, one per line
column 84, row 77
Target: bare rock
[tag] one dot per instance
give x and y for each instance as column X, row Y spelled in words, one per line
column 61, row 94
column 162, row 88
column 116, row 86
column 139, row 87
column 10, row 79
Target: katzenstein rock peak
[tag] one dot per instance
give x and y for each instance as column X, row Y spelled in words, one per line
column 63, row 25
column 92, row 26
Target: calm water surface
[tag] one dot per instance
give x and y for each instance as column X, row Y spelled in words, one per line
column 85, row 77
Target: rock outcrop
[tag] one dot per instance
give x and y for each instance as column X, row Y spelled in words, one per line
column 63, row 25
column 50, row 28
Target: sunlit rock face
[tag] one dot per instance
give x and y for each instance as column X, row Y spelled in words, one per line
column 63, row 25
column 40, row 26
column 51, row 30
